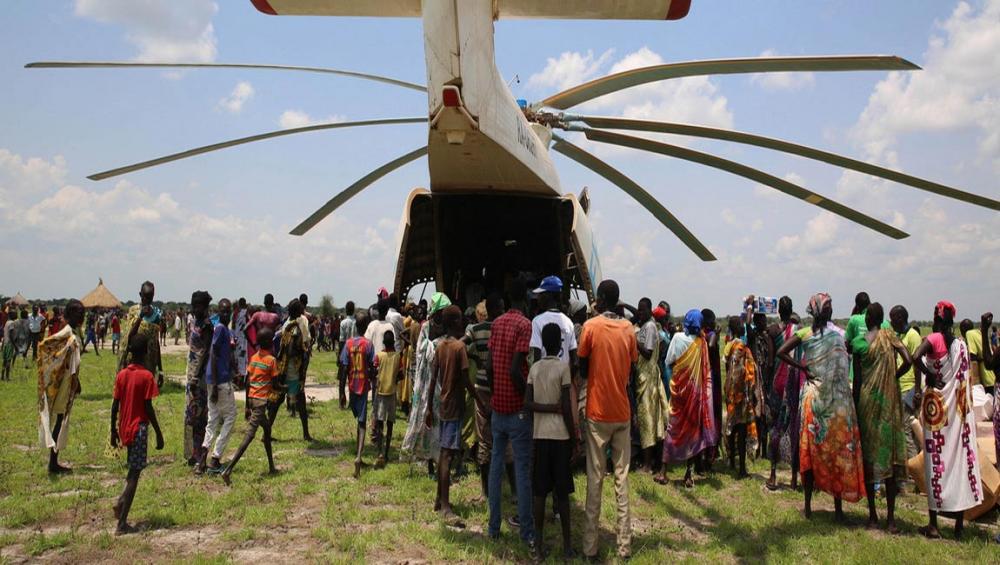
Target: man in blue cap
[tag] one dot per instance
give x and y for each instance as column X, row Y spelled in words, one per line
column 549, row 293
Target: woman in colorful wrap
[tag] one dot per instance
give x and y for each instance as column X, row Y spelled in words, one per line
column 691, row 426
column 650, row 397
column 59, row 384
column 743, row 396
column 421, row 442
column 784, row 398
column 830, row 442
column 880, row 410
column 951, row 462
column 295, row 344
column 145, row 319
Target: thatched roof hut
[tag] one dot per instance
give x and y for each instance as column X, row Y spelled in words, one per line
column 18, row 300
column 100, row 297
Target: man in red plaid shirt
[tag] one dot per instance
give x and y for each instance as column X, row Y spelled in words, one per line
column 509, row 341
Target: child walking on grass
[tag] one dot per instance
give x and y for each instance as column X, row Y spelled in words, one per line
column 261, row 373
column 384, row 406
column 452, row 369
column 357, row 366
column 556, row 439
column 131, row 415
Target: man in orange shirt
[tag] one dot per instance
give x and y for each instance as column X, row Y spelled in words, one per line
column 608, row 353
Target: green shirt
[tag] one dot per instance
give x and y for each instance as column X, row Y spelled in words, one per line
column 857, row 327
column 974, row 339
column 911, row 340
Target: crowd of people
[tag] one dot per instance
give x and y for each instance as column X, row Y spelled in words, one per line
column 531, row 384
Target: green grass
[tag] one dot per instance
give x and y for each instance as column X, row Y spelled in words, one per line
column 314, row 511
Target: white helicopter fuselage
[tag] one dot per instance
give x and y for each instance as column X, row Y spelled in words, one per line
column 491, row 174
column 484, row 143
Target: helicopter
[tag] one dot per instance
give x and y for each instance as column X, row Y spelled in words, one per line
column 489, row 155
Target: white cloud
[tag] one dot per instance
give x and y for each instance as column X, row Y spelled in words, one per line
column 569, row 70
column 242, row 92
column 821, row 232
column 85, row 233
column 782, row 81
column 298, row 119
column 178, row 30
column 32, row 174
column 959, row 88
column 695, row 100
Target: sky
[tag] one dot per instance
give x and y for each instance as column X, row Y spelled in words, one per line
column 220, row 221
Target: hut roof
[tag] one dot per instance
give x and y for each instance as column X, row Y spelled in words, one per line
column 100, row 297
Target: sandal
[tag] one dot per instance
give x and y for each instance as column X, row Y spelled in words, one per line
column 661, row 480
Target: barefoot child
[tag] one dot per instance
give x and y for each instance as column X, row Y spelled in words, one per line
column 556, row 438
column 357, row 365
column 131, row 415
column 384, row 406
column 261, row 372
column 452, row 370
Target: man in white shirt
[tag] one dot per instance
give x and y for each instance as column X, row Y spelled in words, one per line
column 396, row 319
column 548, row 299
column 377, row 328
column 35, row 328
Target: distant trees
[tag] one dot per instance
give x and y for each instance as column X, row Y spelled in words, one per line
column 326, row 307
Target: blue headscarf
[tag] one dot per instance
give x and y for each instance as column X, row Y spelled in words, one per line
column 692, row 322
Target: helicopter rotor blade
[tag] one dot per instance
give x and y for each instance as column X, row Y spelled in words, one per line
column 126, row 64
column 250, row 139
column 602, row 122
column 634, row 77
column 639, row 194
column 746, row 172
column 349, row 192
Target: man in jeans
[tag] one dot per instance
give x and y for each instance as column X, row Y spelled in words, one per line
column 219, row 378
column 510, row 337
column 608, row 353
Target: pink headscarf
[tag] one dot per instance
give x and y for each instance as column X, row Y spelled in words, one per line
column 943, row 307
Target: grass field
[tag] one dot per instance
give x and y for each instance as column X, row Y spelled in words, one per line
column 313, row 510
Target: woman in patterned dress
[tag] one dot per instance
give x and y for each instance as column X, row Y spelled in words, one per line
column 880, row 410
column 951, row 461
column 830, row 442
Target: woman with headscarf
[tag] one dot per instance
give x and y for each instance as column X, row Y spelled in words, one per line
column 880, row 410
column 421, row 442
column 830, row 442
column 691, row 426
column 951, row 463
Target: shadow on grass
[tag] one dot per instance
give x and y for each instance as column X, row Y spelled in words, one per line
column 750, row 545
column 156, row 521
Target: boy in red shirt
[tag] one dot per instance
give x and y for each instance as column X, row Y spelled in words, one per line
column 131, row 415
column 261, row 373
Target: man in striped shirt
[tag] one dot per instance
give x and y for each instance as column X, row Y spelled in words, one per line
column 477, row 337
